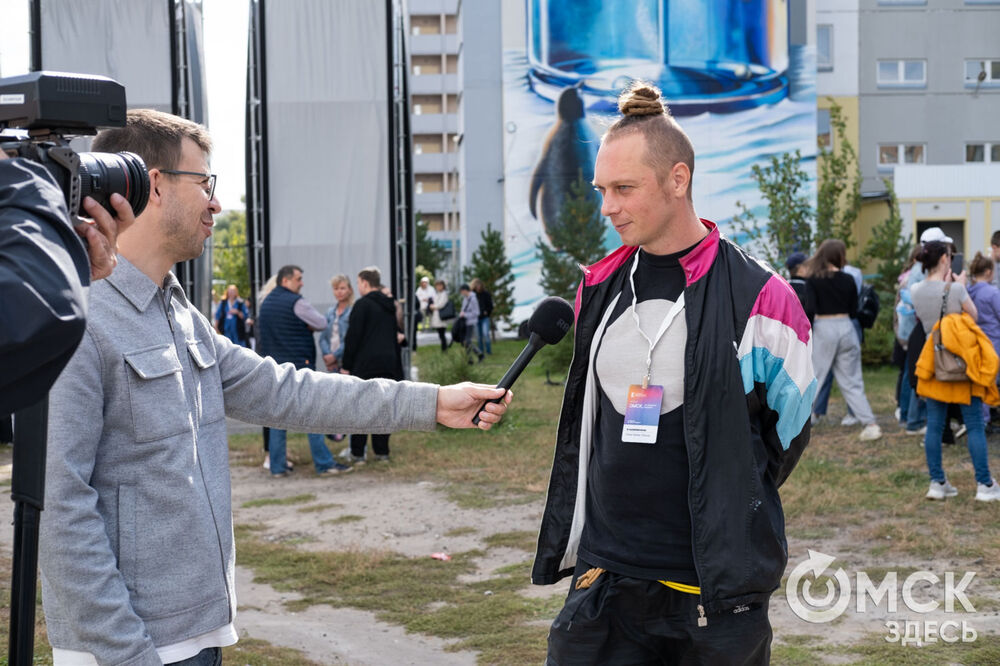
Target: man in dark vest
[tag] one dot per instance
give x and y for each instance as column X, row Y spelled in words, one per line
column 287, row 322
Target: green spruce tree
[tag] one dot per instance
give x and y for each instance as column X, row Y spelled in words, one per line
column 430, row 254
column 577, row 239
column 490, row 264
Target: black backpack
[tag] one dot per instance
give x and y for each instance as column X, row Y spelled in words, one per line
column 868, row 306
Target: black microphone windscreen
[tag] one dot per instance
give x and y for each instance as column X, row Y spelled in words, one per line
column 551, row 320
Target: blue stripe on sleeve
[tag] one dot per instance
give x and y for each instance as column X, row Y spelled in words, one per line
column 783, row 396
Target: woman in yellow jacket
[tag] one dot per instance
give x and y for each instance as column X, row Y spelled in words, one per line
column 944, row 293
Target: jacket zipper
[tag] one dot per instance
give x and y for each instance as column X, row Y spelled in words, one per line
column 702, row 620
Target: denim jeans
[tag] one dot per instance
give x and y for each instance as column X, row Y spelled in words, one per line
column 322, row 458
column 916, row 417
column 207, row 657
column 483, row 335
column 972, row 414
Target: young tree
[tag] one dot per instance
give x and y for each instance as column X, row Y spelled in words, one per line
column 838, row 199
column 577, row 240
column 489, row 263
column 430, row 254
column 579, row 237
column 788, row 226
column 888, row 248
column 229, row 251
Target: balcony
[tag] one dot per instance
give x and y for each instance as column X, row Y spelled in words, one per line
column 433, row 44
column 434, row 162
column 434, row 123
column 429, row 84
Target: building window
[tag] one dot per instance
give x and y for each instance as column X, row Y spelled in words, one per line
column 986, row 72
column 428, row 182
column 824, row 48
column 429, row 24
column 451, row 64
column 426, row 143
column 902, row 2
column 425, row 64
column 892, row 154
column 903, row 73
column 983, row 152
column 451, row 24
column 426, row 104
column 824, row 133
column 434, row 221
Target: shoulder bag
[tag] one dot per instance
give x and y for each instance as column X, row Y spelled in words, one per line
column 948, row 367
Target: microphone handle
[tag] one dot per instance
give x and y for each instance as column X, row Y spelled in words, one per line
column 520, row 363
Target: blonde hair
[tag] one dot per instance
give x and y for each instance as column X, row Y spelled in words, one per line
column 343, row 279
column 644, row 112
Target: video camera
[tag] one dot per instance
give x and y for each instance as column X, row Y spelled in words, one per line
column 51, row 106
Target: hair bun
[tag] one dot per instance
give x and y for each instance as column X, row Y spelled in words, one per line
column 641, row 99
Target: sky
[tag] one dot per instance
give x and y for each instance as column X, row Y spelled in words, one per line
column 225, row 30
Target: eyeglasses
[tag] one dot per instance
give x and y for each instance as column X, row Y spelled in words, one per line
column 207, row 179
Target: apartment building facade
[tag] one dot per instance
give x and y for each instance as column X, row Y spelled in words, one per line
column 929, row 105
column 456, row 122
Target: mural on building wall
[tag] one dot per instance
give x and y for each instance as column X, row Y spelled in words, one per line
column 731, row 75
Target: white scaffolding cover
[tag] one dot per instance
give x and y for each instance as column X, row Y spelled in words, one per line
column 125, row 40
column 327, row 139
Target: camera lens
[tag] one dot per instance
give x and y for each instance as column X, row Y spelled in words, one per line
column 103, row 174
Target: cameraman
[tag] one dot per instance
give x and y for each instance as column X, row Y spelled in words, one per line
column 44, row 275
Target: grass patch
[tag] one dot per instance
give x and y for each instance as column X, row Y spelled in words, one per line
column 319, row 507
column 253, row 652
column 523, row 540
column 279, row 501
column 339, row 520
column 461, row 531
column 420, row 594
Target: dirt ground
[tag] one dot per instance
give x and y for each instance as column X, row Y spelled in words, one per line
column 415, row 518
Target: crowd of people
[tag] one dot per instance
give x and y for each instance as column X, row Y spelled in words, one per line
column 471, row 321
column 946, row 321
column 360, row 337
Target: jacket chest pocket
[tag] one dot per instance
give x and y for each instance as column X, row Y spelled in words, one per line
column 209, row 384
column 156, row 393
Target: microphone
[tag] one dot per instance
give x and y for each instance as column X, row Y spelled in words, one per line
column 549, row 323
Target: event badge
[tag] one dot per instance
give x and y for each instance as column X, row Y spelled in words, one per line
column 642, row 414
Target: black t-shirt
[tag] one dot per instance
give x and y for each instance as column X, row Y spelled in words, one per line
column 836, row 294
column 638, row 518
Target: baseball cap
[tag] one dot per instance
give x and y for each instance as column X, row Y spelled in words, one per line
column 425, row 279
column 794, row 259
column 934, row 234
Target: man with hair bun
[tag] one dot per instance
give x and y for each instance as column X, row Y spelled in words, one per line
column 686, row 407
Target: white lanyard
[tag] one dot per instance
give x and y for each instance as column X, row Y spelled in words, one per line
column 675, row 309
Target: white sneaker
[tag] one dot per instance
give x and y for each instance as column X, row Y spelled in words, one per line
column 816, row 419
column 961, row 431
column 938, row 491
column 267, row 462
column 919, row 431
column 870, row 432
column 849, row 420
column 896, row 413
column 988, row 493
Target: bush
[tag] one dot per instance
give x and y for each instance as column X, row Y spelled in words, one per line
column 555, row 359
column 879, row 339
column 451, row 367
